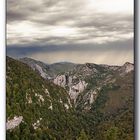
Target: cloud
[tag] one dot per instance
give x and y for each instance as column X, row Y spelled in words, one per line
column 64, row 25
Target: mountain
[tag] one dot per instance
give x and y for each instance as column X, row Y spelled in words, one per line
column 45, row 70
column 62, row 67
column 38, row 66
column 85, row 80
column 77, row 99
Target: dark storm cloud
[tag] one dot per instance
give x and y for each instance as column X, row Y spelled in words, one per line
column 23, row 50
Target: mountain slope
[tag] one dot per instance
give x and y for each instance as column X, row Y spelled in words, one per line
column 89, row 99
column 48, row 71
column 35, row 106
column 84, row 80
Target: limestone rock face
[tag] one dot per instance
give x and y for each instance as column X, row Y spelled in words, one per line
column 11, row 124
column 126, row 68
column 60, row 80
column 74, row 90
column 63, row 80
column 40, row 70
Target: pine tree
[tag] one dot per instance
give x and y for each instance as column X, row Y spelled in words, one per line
column 112, row 134
column 82, row 135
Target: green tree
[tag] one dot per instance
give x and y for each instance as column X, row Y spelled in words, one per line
column 112, row 134
column 82, row 135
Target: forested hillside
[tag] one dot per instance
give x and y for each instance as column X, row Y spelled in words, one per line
column 39, row 108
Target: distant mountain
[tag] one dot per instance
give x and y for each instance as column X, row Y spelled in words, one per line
column 62, row 67
column 60, row 100
column 38, row 66
column 48, row 71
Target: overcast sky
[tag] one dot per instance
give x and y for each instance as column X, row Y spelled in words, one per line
column 79, row 31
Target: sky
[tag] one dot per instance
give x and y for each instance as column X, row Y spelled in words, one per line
column 78, row 31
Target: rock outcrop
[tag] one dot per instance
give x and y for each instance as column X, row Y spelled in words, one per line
column 74, row 90
column 74, row 86
column 126, row 68
column 11, row 124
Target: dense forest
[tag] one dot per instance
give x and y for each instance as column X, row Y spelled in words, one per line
column 49, row 114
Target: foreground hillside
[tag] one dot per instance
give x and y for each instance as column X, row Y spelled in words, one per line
column 43, row 107
column 69, row 101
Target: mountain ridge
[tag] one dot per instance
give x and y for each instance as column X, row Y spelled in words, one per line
column 63, row 62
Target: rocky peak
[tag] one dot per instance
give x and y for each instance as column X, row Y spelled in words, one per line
column 128, row 64
column 88, row 65
column 126, row 68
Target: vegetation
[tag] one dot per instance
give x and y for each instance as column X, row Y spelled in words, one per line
column 30, row 96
